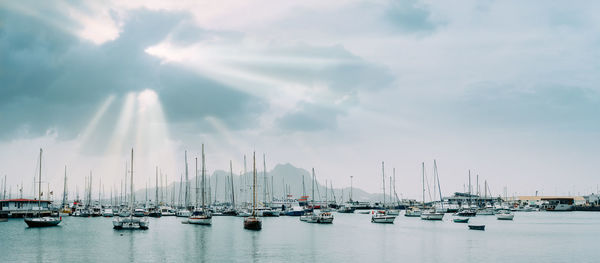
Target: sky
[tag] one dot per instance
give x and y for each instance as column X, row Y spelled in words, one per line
column 505, row 89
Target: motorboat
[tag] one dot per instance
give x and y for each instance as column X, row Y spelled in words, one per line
column 392, row 212
column 505, row 215
column 466, row 213
column 412, row 212
column 108, row 212
column 295, row 211
column 139, row 212
column 325, row 218
column 183, row 213
column 347, row 209
column 432, row 215
column 381, row 217
column 167, row 211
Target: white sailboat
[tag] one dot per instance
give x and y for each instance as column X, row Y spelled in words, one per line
column 252, row 222
column 131, row 222
column 431, row 214
column 201, row 216
column 380, row 216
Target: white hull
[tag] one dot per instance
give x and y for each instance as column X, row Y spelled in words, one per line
column 130, row 223
column 383, row 219
column 432, row 216
column 505, row 216
column 183, row 213
column 200, row 220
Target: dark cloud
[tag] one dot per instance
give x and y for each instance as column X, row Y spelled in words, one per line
column 409, row 16
column 51, row 79
column 543, row 107
column 310, row 117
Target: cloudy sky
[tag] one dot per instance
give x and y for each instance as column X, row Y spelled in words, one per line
column 508, row 89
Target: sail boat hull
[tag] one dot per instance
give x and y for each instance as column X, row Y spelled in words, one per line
column 42, row 221
column 131, row 223
column 252, row 223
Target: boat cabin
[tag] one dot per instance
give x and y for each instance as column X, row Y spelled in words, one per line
column 23, row 207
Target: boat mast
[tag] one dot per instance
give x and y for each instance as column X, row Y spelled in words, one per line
column 469, row 188
column 131, row 184
column 265, row 180
column 196, row 206
column 423, row 178
column 65, row 189
column 187, row 186
column 156, row 190
column 40, row 187
column 383, row 180
column 435, row 170
column 203, row 171
column 253, row 183
column 313, row 187
column 232, row 188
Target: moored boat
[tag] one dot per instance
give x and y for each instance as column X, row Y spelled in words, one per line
column 460, row 220
column 505, row 215
column 40, row 221
column 477, row 227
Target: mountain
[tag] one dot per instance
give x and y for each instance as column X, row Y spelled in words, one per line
column 282, row 179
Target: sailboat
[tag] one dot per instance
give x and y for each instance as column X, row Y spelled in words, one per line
column 430, row 214
column 380, row 216
column 131, row 222
column 252, row 222
column 41, row 221
column 200, row 216
column 184, row 211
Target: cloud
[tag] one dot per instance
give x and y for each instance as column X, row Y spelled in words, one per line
column 543, row 107
column 410, row 16
column 51, row 79
column 310, row 117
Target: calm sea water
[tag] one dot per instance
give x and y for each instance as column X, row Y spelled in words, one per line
column 531, row 237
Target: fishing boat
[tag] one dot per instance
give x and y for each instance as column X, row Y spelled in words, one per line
column 131, row 222
column 201, row 216
column 252, row 222
column 460, row 220
column 325, row 218
column 477, row 227
column 41, row 221
column 505, row 215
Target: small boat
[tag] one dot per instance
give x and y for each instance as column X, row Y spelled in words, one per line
column 485, row 212
column 365, row 212
column 139, row 212
column 306, row 216
column 108, row 212
column 460, row 220
column 243, row 213
column 432, row 215
column 505, row 215
column 252, row 222
column 40, row 221
column 295, row 211
column 381, row 217
column 412, row 212
column 166, row 211
column 183, row 213
column 348, row 209
column 477, row 227
column 466, row 213
column 325, row 218
column 200, row 217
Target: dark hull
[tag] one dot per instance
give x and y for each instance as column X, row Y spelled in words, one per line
column 32, row 223
column 252, row 224
column 475, row 227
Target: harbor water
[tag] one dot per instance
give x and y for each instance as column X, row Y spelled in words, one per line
column 531, row 237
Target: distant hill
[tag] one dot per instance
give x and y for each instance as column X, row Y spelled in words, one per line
column 283, row 178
